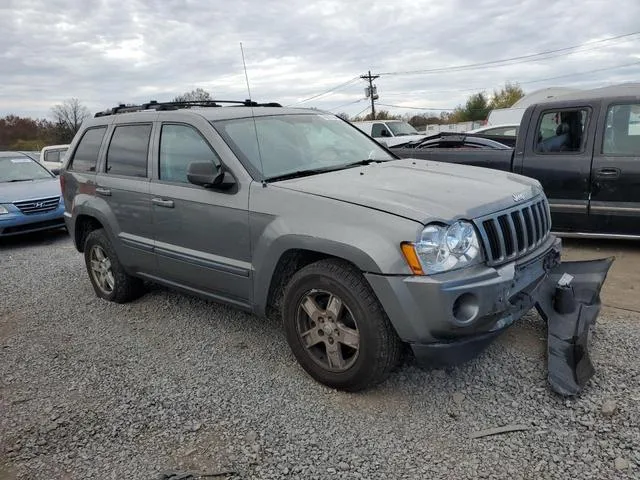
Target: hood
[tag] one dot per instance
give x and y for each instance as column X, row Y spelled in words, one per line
column 421, row 190
column 31, row 190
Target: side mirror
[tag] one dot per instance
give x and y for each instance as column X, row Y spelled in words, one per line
column 208, row 175
column 55, row 171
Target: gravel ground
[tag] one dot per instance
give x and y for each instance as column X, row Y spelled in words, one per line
column 170, row 383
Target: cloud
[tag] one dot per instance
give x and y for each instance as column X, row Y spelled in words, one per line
column 106, row 52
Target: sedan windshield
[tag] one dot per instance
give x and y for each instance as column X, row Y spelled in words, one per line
column 21, row 169
column 298, row 144
column 402, row 128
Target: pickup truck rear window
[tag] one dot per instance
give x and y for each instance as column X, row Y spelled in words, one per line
column 622, row 130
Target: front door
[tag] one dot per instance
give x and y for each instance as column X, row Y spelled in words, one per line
column 201, row 234
column 559, row 156
column 615, row 197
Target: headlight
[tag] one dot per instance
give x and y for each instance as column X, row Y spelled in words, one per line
column 3, row 210
column 442, row 248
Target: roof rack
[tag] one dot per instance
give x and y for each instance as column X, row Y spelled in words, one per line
column 155, row 105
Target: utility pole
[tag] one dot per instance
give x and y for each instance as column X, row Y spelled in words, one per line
column 371, row 91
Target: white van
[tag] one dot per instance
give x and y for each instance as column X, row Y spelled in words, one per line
column 53, row 155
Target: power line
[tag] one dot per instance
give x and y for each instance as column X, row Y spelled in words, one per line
column 527, row 82
column 331, row 90
column 346, row 104
column 514, row 60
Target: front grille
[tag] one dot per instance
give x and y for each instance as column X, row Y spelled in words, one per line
column 41, row 205
column 512, row 233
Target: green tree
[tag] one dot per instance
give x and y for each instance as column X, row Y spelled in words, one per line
column 506, row 96
column 475, row 108
column 197, row 95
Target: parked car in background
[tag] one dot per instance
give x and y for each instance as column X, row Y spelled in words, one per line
column 390, row 132
column 584, row 148
column 52, row 156
column 30, row 197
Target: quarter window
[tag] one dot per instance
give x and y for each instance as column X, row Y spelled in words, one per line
column 622, row 130
column 128, row 151
column 181, row 145
column 561, row 131
column 86, row 155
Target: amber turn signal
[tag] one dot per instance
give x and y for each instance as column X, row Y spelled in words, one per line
column 409, row 252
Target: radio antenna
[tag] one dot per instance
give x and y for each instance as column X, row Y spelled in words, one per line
column 253, row 117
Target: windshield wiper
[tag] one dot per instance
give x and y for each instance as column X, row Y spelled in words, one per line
column 315, row 171
column 21, row 180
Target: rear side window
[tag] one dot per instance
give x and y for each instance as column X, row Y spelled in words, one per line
column 86, row 156
column 622, row 130
column 561, row 131
column 127, row 154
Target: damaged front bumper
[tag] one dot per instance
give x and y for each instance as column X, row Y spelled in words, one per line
column 450, row 318
column 568, row 299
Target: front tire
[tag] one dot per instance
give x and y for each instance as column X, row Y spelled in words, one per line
column 107, row 275
column 337, row 328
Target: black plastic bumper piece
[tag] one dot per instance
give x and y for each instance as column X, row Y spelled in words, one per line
column 569, row 301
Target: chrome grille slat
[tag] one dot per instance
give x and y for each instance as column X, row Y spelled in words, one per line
column 513, row 233
column 39, row 205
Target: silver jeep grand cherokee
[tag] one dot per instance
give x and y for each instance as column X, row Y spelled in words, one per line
column 297, row 213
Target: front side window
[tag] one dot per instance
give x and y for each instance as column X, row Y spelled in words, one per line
column 52, row 156
column 379, row 130
column 86, row 155
column 622, row 130
column 128, row 150
column 280, row 145
column 181, row 145
column 561, row 131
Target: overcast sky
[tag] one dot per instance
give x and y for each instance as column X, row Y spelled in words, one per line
column 109, row 52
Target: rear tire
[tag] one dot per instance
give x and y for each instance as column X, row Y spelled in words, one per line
column 337, row 328
column 107, row 275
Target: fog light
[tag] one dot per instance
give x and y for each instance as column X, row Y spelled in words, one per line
column 465, row 308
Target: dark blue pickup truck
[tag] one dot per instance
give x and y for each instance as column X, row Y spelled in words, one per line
column 584, row 148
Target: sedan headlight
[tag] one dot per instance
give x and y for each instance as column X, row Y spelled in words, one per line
column 443, row 248
column 3, row 210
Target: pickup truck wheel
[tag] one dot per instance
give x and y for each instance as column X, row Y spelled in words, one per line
column 336, row 327
column 106, row 273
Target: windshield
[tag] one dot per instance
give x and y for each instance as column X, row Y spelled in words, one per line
column 402, row 128
column 21, row 168
column 297, row 143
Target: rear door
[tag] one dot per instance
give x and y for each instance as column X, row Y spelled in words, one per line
column 558, row 153
column 123, row 184
column 615, row 197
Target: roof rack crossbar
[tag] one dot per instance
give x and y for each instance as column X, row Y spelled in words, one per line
column 159, row 106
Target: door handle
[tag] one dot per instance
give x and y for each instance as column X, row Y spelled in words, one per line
column 106, row 192
column 162, row 203
column 608, row 173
